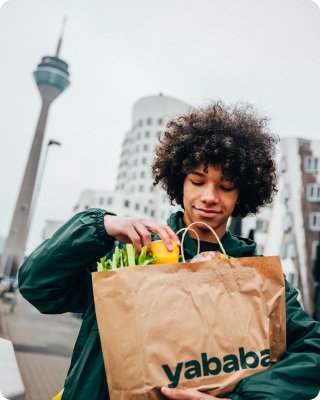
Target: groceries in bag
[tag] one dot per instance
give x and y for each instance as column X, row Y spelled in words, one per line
column 204, row 325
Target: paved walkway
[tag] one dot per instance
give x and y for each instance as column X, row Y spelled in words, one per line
column 43, row 346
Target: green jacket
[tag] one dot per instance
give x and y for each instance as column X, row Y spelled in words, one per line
column 56, row 278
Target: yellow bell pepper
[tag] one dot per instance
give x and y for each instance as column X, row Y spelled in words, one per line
column 58, row 396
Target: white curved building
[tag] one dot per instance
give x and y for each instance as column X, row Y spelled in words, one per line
column 149, row 118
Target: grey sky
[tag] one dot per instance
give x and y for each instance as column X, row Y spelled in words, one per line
column 264, row 52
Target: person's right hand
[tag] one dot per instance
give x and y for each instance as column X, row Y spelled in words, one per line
column 188, row 394
column 138, row 231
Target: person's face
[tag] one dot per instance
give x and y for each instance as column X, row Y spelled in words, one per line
column 207, row 198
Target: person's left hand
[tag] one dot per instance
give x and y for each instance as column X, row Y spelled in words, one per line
column 189, row 394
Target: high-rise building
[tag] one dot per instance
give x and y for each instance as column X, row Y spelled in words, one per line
column 134, row 193
column 52, row 78
column 290, row 226
column 300, row 169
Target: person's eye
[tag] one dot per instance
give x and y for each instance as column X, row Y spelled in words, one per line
column 227, row 188
column 196, row 183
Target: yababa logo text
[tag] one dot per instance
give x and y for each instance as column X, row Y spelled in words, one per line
column 215, row 366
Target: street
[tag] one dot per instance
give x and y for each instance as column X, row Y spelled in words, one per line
column 43, row 345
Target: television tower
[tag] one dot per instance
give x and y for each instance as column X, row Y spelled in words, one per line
column 52, row 78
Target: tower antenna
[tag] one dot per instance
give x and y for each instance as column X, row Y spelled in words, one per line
column 64, row 21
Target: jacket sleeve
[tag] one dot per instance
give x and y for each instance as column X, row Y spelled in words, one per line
column 56, row 277
column 297, row 375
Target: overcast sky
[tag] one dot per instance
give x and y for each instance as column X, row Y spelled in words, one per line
column 266, row 52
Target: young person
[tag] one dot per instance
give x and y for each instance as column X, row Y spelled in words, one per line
column 215, row 163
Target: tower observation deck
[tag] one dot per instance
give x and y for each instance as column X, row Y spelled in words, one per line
column 52, row 78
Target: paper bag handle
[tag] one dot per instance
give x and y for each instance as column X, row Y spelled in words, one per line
column 198, row 240
column 189, row 228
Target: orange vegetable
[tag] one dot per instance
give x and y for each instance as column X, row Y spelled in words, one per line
column 165, row 256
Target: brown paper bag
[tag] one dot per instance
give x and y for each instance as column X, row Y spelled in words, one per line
column 204, row 325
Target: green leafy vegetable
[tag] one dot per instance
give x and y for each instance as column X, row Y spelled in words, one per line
column 125, row 257
column 131, row 254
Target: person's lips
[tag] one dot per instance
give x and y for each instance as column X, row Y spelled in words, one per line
column 207, row 213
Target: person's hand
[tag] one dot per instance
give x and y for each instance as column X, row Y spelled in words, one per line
column 189, row 394
column 137, row 231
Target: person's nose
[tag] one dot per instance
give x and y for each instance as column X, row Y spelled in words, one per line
column 210, row 196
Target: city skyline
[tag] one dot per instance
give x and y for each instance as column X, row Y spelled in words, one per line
column 227, row 54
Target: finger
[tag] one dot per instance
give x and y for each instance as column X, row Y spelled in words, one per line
column 172, row 234
column 189, row 394
column 134, row 238
column 176, row 394
column 160, row 231
column 164, row 235
column 144, row 234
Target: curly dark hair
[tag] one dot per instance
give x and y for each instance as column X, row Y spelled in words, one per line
column 234, row 138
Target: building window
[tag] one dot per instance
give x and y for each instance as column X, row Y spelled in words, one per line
column 152, row 213
column 313, row 192
column 151, row 188
column 292, row 278
column 137, row 206
column 126, row 203
column 314, row 221
column 144, row 160
column 141, row 188
column 283, row 165
column 158, row 134
column 145, row 210
column 142, row 174
column 285, row 194
column 147, row 134
column 160, row 121
column 311, row 164
column 109, row 200
column 314, row 246
column 288, row 250
column 283, row 251
column 261, row 225
column 287, row 222
column 291, row 251
column 259, row 249
column 138, row 135
column 145, row 147
column 149, row 121
column 140, row 123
